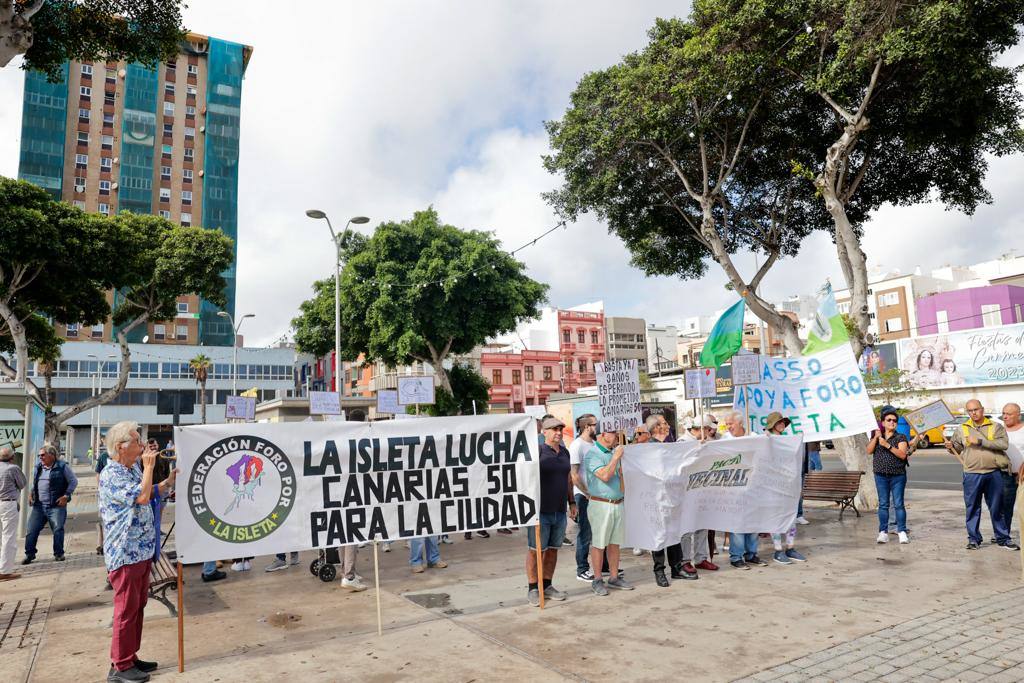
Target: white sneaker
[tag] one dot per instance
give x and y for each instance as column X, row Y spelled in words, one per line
column 903, row 537
column 387, row 546
column 246, row 565
column 638, row 552
column 355, row 585
column 882, row 537
column 238, row 566
column 802, row 520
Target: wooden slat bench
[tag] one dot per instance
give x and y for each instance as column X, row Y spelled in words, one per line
column 163, row 576
column 837, row 487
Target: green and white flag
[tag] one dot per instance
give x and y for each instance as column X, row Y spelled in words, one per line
column 828, row 330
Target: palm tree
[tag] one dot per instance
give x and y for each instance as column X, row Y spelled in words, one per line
column 200, row 366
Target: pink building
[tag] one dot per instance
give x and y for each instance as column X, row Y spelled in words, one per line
column 968, row 309
column 521, row 379
column 581, row 343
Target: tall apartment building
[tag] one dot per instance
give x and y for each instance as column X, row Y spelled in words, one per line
column 113, row 136
column 627, row 340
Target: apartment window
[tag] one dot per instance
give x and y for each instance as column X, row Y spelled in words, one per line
column 193, row 69
column 190, row 111
column 529, row 373
column 165, row 173
column 107, row 142
column 182, row 331
column 83, row 138
column 894, row 325
column 990, row 315
column 889, row 299
column 104, row 209
column 186, row 219
column 173, row 66
column 186, row 196
column 186, row 174
column 189, row 153
column 583, row 365
column 97, row 331
column 105, row 163
column 547, row 372
column 72, row 329
column 190, row 90
column 78, row 204
column 495, row 377
column 81, row 160
column 566, row 336
column 104, row 187
column 83, row 114
column 164, row 213
column 942, row 321
column 159, row 331
column 85, row 91
column 79, row 184
column 182, row 307
column 108, row 119
column 169, row 89
column 166, row 150
column 168, row 129
column 190, row 132
column 111, row 75
column 581, row 336
column 593, row 336
column 517, row 377
column 165, row 194
column 108, row 97
column 168, row 108
column 87, row 69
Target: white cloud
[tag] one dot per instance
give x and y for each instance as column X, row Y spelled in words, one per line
column 384, row 108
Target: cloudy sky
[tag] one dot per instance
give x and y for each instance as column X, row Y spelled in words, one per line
column 384, row 108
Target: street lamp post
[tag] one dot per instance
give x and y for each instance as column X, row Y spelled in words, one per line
column 317, row 214
column 97, row 386
column 234, row 346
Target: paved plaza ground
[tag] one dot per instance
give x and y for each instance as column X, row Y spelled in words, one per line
column 857, row 611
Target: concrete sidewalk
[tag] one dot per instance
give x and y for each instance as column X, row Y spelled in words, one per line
column 854, row 611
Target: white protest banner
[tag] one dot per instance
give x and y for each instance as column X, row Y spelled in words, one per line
column 823, row 395
column 929, row 416
column 324, row 403
column 699, row 383
column 618, row 391
column 240, row 408
column 746, row 485
column 416, row 390
column 746, row 369
column 536, row 411
column 257, row 489
column 387, row 402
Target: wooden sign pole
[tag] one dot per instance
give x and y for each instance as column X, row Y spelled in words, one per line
column 376, row 586
column 540, row 562
column 181, row 623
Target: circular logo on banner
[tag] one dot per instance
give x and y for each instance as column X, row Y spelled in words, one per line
column 241, row 489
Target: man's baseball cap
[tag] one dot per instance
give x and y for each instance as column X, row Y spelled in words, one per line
column 551, row 422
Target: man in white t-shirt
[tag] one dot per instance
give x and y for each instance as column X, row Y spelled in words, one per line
column 586, row 426
column 1015, row 452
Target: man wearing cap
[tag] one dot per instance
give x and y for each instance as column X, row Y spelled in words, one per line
column 555, row 493
column 12, row 481
column 603, row 468
column 776, row 425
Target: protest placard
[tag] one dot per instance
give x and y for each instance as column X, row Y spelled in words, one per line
column 618, row 392
column 748, row 485
column 240, row 408
column 929, row 416
column 699, row 383
column 746, row 369
column 324, row 403
column 416, row 390
column 258, row 489
column 387, row 402
column 823, row 395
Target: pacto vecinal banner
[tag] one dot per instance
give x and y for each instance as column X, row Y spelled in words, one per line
column 257, row 489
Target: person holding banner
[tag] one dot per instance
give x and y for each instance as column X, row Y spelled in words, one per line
column 586, row 428
column 658, row 427
column 889, row 451
column 602, row 465
column 555, row 492
column 775, row 425
column 129, row 544
column 980, row 445
column 742, row 547
column 695, row 546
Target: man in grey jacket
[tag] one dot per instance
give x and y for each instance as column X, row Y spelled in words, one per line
column 12, row 481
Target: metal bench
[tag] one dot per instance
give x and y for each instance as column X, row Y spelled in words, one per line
column 163, row 576
column 838, row 487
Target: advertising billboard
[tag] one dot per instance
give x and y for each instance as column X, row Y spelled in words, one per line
column 979, row 357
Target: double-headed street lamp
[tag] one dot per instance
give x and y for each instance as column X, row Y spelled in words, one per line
column 317, row 214
column 97, row 387
column 234, row 344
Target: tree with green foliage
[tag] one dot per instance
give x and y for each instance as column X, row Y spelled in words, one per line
column 200, row 366
column 50, row 32
column 419, row 290
column 890, row 385
column 683, row 168
column 58, row 263
column 468, row 387
column 903, row 102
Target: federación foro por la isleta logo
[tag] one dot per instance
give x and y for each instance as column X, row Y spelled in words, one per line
column 241, row 489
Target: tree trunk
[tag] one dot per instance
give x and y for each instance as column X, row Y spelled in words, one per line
column 202, row 401
column 15, row 33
